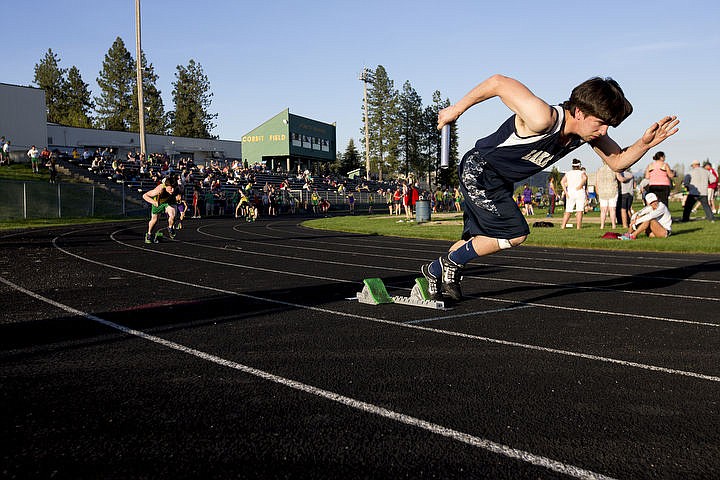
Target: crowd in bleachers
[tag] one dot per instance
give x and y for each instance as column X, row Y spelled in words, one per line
column 216, row 186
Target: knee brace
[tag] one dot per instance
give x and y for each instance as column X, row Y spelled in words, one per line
column 504, row 244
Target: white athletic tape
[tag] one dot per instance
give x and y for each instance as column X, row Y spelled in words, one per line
column 504, row 244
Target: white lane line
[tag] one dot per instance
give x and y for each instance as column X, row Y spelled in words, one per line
column 585, row 356
column 347, row 264
column 654, row 263
column 434, row 428
column 471, row 314
column 491, row 265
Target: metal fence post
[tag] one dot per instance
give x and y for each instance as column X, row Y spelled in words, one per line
column 25, row 200
column 92, row 202
column 59, row 201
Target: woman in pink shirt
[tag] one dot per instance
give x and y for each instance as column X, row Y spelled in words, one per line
column 659, row 174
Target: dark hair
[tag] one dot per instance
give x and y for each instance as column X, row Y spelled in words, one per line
column 602, row 98
column 658, row 155
column 171, row 182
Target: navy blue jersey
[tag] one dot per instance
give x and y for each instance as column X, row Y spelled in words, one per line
column 516, row 158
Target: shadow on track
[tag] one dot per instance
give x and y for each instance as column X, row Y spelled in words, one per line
column 658, row 279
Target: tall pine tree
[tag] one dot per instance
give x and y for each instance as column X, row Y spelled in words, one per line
column 430, row 143
column 51, row 78
column 192, row 98
column 410, row 117
column 350, row 160
column 155, row 117
column 383, row 122
column 79, row 101
column 114, row 105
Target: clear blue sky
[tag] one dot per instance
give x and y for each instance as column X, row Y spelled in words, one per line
column 264, row 56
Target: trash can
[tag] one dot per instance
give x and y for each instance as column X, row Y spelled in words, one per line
column 422, row 211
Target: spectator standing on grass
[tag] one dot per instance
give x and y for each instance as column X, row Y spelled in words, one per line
column 659, row 175
column 552, row 197
column 52, row 167
column 315, row 201
column 407, row 199
column 397, row 199
column 414, row 196
column 6, row 151
column 573, row 184
column 712, row 187
column 438, row 200
column 45, row 155
column 627, row 190
column 351, row 201
column 607, row 190
column 34, row 155
column 527, row 198
column 697, row 182
column 458, row 197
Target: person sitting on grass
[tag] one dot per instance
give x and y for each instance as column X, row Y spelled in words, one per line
column 654, row 220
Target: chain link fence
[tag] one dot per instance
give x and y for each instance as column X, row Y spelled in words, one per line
column 35, row 200
column 27, row 200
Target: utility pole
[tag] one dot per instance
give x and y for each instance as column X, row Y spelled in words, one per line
column 141, row 103
column 365, row 77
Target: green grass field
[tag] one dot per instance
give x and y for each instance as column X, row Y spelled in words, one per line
column 696, row 236
column 23, row 172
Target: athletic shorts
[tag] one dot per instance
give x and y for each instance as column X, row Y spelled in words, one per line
column 626, row 201
column 160, row 208
column 575, row 203
column 490, row 209
column 608, row 202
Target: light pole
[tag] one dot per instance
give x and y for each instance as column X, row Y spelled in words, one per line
column 366, row 78
column 141, row 103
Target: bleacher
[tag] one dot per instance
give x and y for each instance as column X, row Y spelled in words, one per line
column 128, row 178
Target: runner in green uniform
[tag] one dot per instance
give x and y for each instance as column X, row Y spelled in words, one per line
column 162, row 199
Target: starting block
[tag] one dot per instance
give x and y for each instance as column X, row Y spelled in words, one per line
column 374, row 292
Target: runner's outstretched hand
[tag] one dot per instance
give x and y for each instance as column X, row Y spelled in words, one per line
column 661, row 130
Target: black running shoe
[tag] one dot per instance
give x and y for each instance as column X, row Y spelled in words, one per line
column 451, row 277
column 171, row 232
column 433, row 283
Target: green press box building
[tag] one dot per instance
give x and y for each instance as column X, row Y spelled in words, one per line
column 290, row 142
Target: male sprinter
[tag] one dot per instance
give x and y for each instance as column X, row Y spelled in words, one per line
column 536, row 136
column 162, row 199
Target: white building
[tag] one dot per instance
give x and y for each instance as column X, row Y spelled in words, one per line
column 23, row 121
